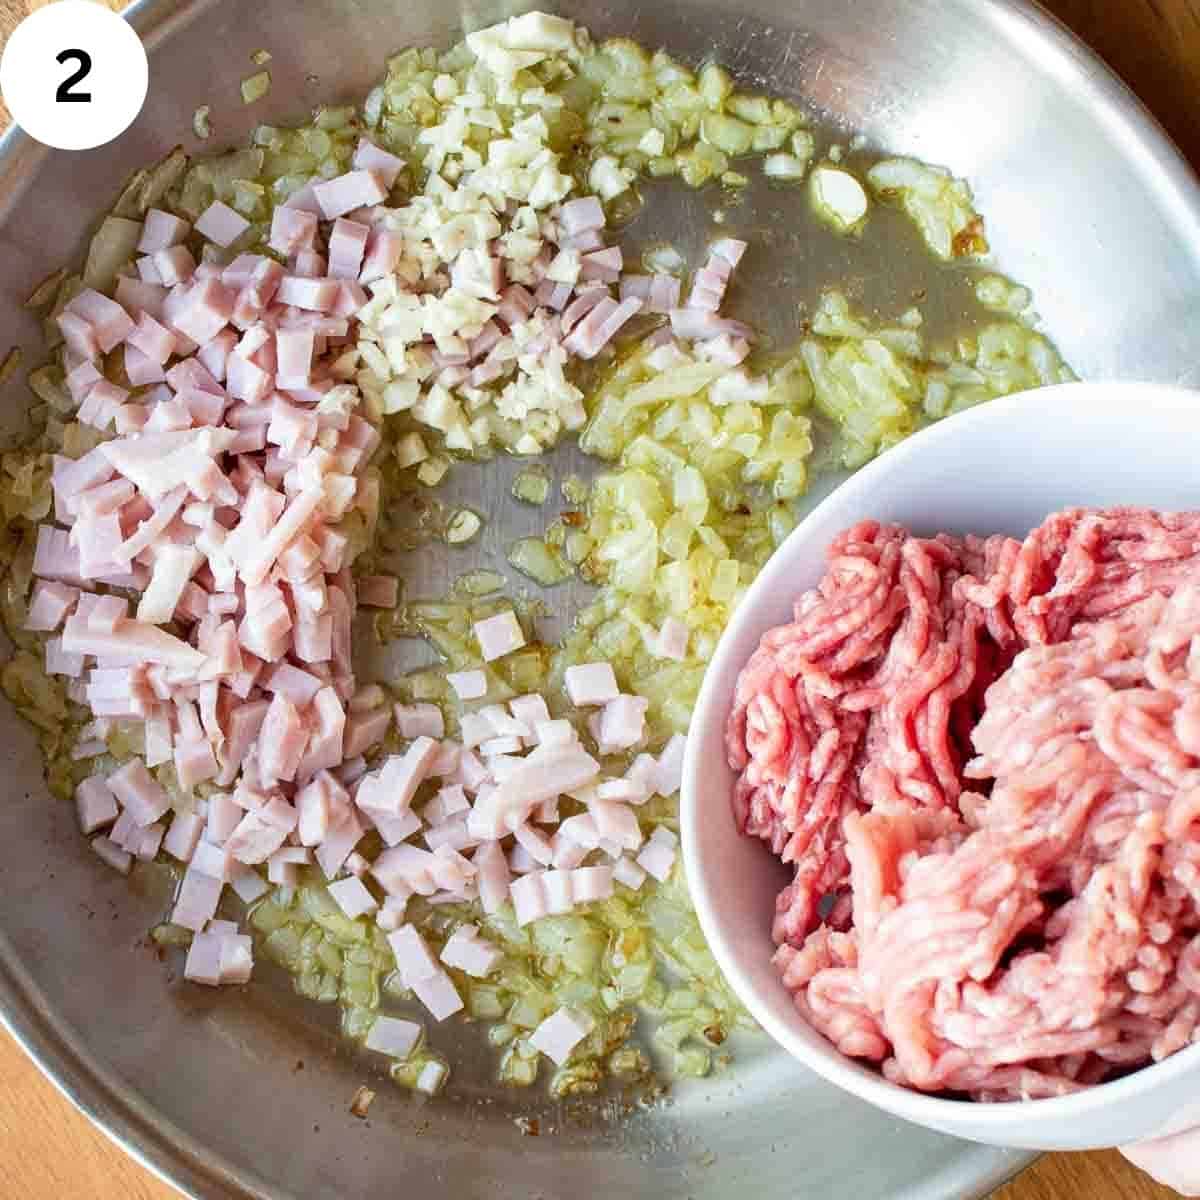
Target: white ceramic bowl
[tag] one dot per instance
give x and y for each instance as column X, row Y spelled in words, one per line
column 999, row 468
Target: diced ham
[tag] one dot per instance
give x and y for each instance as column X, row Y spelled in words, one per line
column 622, row 723
column 369, row 157
column 49, row 605
column 174, row 265
column 95, row 804
column 352, row 897
column 499, row 635
column 339, row 844
column 466, row 951
column 668, row 775
column 394, row 1037
column 385, row 248
column 255, row 839
column 347, row 245
column 559, row 1034
column 109, row 322
column 578, row 216
column 419, row 720
column 183, row 836
column 294, row 356
column 591, row 683
column 658, row 855
column 161, row 229
column 604, row 265
column 468, row 685
column 139, row 792
column 591, row 883
column 281, row 741
column 221, row 224
column 343, row 194
column 626, row 871
column 600, row 326
column 196, row 902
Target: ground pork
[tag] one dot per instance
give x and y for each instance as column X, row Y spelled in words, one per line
column 982, row 758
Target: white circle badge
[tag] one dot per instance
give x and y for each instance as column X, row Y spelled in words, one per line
column 74, row 75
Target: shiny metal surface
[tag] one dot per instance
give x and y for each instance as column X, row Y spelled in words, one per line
column 1086, row 202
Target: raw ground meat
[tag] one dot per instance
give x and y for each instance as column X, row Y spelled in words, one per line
column 982, row 757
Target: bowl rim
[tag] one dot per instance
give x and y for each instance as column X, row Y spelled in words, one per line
column 821, row 1056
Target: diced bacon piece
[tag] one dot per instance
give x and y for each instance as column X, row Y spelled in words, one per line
column 304, row 198
column 140, row 370
column 468, row 685
column 600, row 326
column 394, row 786
column 578, row 216
column 638, row 286
column 384, row 250
column 161, row 229
column 173, row 568
column 582, row 830
column 81, row 341
column 591, row 883
column 499, row 635
column 503, row 723
column 560, row 893
column 248, row 884
column 695, row 323
column 294, row 356
column 492, row 876
column 109, row 321
column 542, row 775
column 194, row 762
column 364, row 730
column 131, row 641
column 529, row 897
column 591, row 683
column 243, row 726
column 80, row 379
column 390, row 916
column 352, row 897
column 530, row 711
column 394, row 1037
column 622, row 723
column 604, row 265
column 95, row 805
column 221, row 224
column 212, row 860
column 559, row 1034
column 339, row 844
column 546, row 813
column 378, row 591
column 174, row 265
column 196, row 902
column 392, row 829
column 414, row 960
column 183, row 836
column 626, row 871
column 343, row 194
column 369, row 157
column 49, row 605
column 54, row 557
column 139, row 792
column 521, row 862
column 225, row 815
column 627, row 791
column 281, row 741
column 347, row 245
column 439, row 995
column 585, row 242
column 255, row 840
column 615, row 822
column 419, row 720
column 292, row 230
column 237, row 959
column 203, row 963
column 664, row 294
column 449, row 802
column 668, row 776
column 155, row 341
column 406, row 867
column 214, row 353
column 535, row 844
column 147, row 271
column 658, row 855
column 317, row 295
column 206, row 311
column 583, row 304
column 466, row 951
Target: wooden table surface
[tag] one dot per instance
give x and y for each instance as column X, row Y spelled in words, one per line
column 48, row 1151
